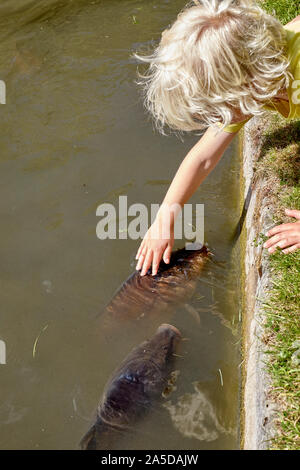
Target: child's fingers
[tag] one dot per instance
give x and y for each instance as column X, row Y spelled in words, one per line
column 140, row 249
column 292, row 248
column 138, row 253
column 141, row 259
column 156, row 261
column 147, row 262
column 167, row 254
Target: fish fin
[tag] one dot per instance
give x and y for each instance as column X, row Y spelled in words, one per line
column 86, row 442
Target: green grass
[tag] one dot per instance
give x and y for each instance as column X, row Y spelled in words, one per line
column 284, row 10
column 280, row 152
column 279, row 166
column 282, row 330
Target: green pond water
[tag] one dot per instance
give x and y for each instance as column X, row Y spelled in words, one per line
column 73, row 135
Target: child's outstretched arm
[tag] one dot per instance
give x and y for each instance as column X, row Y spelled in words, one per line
column 198, row 163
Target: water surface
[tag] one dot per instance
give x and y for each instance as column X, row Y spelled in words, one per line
column 74, row 134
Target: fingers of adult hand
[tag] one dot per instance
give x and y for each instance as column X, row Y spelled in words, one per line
column 293, row 213
column 288, row 241
column 292, row 248
column 285, row 241
column 155, row 262
column 279, row 229
column 167, row 254
column 273, row 240
column 147, row 262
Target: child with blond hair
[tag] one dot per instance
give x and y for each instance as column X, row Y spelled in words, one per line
column 219, row 64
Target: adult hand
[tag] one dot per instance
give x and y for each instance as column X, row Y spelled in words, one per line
column 285, row 236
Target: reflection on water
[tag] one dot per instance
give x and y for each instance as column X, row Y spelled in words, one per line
column 194, row 416
column 9, row 414
column 74, row 135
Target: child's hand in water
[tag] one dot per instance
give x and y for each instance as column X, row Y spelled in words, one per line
column 285, row 236
column 157, row 244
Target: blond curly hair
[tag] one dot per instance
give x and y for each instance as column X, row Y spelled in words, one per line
column 219, row 57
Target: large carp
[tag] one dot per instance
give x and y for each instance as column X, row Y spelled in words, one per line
column 133, row 389
column 174, row 283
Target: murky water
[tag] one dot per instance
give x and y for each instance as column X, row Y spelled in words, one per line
column 74, row 134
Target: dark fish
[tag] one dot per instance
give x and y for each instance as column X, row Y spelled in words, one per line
column 174, row 283
column 133, row 389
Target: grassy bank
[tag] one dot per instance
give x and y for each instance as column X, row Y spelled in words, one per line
column 284, row 10
column 279, row 165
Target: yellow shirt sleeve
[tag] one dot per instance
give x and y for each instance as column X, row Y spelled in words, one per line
column 234, row 127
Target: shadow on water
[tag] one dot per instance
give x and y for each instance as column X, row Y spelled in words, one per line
column 239, row 226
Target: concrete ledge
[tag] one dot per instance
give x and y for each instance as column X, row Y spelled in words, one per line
column 258, row 412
